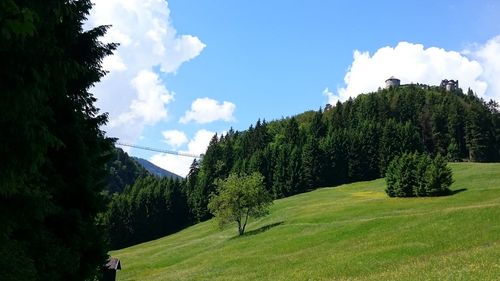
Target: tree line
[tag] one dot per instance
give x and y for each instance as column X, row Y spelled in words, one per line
column 350, row 141
column 150, row 208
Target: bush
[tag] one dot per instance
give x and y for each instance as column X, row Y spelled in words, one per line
column 415, row 174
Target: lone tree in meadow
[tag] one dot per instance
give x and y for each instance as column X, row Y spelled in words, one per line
column 417, row 175
column 238, row 198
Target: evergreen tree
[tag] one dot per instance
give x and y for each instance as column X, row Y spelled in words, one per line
column 53, row 152
column 312, row 164
column 414, row 174
column 294, row 181
column 438, row 177
column 476, row 135
column 280, row 174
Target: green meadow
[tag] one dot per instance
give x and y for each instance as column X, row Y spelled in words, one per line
column 349, row 232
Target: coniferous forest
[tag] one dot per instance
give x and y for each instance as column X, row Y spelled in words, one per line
column 350, row 141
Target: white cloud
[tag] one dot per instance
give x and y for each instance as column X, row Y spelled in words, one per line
column 411, row 63
column 148, row 41
column 114, row 63
column 332, row 98
column 489, row 57
column 206, row 110
column 180, row 164
column 198, row 145
column 149, row 106
column 175, row 138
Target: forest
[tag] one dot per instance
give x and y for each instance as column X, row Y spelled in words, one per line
column 350, row 141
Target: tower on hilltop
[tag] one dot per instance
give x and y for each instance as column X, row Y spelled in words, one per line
column 392, row 82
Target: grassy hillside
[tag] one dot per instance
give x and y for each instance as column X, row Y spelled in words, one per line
column 350, row 232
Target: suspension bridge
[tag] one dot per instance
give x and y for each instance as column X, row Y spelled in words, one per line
column 160, row 150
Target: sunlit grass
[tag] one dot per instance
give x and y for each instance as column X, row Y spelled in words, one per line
column 349, row 232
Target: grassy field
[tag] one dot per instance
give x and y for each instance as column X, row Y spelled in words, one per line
column 350, row 232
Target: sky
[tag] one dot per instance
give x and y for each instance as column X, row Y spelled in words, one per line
column 187, row 69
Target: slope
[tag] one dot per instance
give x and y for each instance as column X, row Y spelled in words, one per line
column 122, row 170
column 350, row 232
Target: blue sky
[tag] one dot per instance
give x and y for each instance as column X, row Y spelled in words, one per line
column 189, row 68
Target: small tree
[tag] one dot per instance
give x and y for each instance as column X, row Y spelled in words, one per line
column 414, row 174
column 438, row 177
column 238, row 198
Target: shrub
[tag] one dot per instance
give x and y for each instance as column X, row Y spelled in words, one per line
column 415, row 174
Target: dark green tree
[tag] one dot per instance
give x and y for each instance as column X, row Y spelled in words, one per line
column 280, row 174
column 52, row 150
column 477, row 136
column 415, row 174
column 312, row 164
column 438, row 177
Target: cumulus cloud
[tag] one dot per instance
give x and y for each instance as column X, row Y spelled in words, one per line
column 180, row 164
column 488, row 55
column 413, row 63
column 332, row 98
column 198, row 145
column 206, row 110
column 149, row 105
column 132, row 92
column 175, row 138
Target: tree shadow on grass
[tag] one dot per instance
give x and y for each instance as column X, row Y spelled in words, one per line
column 453, row 192
column 260, row 229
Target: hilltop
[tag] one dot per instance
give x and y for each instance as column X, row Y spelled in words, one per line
column 350, row 232
column 350, row 141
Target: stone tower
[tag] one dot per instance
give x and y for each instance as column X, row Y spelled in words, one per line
column 392, row 82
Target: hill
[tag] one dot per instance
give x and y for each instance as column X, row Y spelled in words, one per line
column 155, row 170
column 350, row 232
column 122, row 170
column 350, row 141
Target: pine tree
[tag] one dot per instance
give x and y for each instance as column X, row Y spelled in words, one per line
column 53, row 152
column 312, row 165
column 438, row 177
column 476, row 135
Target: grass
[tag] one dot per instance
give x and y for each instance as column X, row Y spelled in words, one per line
column 350, row 232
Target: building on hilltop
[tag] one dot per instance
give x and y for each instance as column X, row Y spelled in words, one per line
column 449, row 85
column 392, row 82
